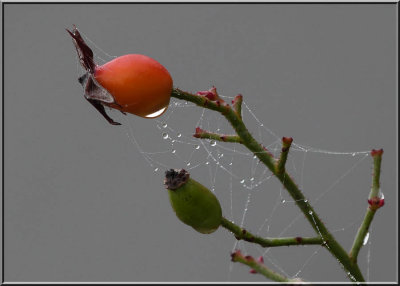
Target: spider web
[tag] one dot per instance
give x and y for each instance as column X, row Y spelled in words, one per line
column 249, row 194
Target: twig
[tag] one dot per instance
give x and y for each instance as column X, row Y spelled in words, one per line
column 352, row 270
column 374, row 201
column 200, row 133
column 241, row 233
column 259, row 267
column 286, row 143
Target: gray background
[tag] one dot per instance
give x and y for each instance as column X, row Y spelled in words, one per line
column 82, row 204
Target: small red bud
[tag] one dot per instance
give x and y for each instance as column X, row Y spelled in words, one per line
column 198, row 132
column 376, row 152
column 287, row 140
column 211, row 94
column 375, row 203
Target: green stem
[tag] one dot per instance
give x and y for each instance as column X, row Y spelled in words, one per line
column 352, row 269
column 202, row 134
column 241, row 233
column 259, row 267
column 374, row 204
column 280, row 165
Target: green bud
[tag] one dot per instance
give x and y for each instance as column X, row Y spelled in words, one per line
column 194, row 204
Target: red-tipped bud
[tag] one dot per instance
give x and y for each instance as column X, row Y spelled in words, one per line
column 198, row 132
column 287, row 140
column 211, row 94
column 235, row 254
column 376, row 152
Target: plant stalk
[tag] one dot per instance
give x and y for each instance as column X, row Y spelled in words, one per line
column 352, row 269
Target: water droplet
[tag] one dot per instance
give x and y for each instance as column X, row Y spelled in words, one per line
column 353, row 154
column 262, row 124
column 366, row 238
column 173, row 141
column 165, row 135
column 207, row 163
column 230, row 164
column 218, row 129
column 188, row 164
column 157, row 113
column 164, row 125
column 173, row 151
column 283, row 201
column 305, row 201
column 179, row 135
column 221, row 155
column 310, row 212
column 217, row 163
column 212, row 189
column 254, row 157
column 156, row 169
column 197, row 147
column 242, row 181
column 252, row 179
column 213, row 143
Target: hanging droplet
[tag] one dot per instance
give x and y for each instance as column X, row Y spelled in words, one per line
column 197, row 147
column 173, row 151
column 353, row 154
column 283, row 201
column 262, row 124
column 242, row 181
column 221, row 155
column 310, row 212
column 213, row 143
column 305, row 201
column 173, row 141
column 188, row 164
column 207, row 163
column 155, row 169
column 165, row 135
column 254, row 157
column 252, row 179
column 230, row 164
column 164, row 125
column 179, row 135
column 217, row 163
column 366, row 238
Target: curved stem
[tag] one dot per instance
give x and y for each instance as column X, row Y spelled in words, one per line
column 351, row 268
column 241, row 233
column 259, row 267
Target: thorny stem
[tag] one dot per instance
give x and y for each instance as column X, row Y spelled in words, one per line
column 352, row 270
column 280, row 165
column 374, row 204
column 259, row 267
column 241, row 233
column 200, row 133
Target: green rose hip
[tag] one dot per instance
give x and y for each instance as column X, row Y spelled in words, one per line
column 194, row 204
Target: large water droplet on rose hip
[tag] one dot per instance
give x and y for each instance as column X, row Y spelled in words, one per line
column 157, row 113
